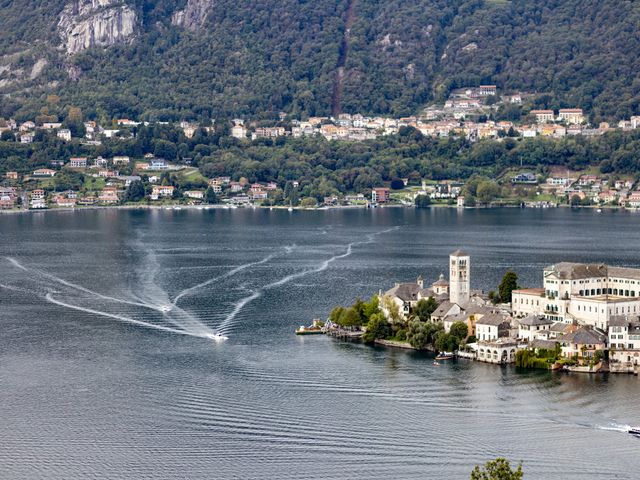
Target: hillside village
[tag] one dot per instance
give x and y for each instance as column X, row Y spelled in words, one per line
column 585, row 318
column 466, row 114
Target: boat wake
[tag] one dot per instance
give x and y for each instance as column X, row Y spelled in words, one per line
column 615, row 427
column 226, row 324
column 230, row 273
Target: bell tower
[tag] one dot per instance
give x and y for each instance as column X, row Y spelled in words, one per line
column 459, row 277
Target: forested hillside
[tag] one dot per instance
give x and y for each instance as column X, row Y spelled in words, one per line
column 161, row 59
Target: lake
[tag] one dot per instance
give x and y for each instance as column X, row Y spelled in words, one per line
column 106, row 371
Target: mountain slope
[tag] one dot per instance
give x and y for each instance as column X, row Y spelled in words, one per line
column 202, row 58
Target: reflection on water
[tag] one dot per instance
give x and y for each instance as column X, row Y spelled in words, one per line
column 96, row 382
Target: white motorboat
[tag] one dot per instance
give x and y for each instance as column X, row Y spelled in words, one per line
column 218, row 337
column 634, row 431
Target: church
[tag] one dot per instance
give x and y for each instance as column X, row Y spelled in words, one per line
column 454, row 296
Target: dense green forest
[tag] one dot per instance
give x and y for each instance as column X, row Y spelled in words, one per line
column 261, row 57
column 327, row 167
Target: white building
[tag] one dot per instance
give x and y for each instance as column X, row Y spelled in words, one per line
column 64, row 134
column 491, row 327
column 587, row 293
column 534, row 327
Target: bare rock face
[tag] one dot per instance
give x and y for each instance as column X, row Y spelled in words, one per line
column 193, row 15
column 95, row 23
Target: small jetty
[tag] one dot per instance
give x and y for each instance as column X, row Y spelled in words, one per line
column 316, row 328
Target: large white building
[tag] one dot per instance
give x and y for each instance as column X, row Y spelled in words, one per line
column 587, row 293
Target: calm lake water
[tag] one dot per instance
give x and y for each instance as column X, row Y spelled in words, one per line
column 104, row 371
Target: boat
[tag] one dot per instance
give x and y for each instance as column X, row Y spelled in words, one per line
column 435, row 362
column 634, row 431
column 599, row 210
column 218, row 337
column 444, row 356
column 316, row 328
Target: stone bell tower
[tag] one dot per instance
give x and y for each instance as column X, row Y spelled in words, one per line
column 459, row 277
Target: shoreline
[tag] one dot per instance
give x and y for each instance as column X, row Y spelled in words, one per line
column 178, row 206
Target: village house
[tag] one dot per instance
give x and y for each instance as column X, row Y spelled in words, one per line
column 534, row 327
column 492, row 326
column 27, row 138
column 27, row 126
column 44, row 172
column 51, row 125
column 78, row 162
column 624, row 340
column 109, row 195
column 107, row 174
column 159, row 191
column 583, row 343
column 195, row 194
column 379, row 195
column 487, row 90
column 120, row 161
column 37, row 199
column 64, row 134
column 571, row 115
column 11, row 175
column 543, row 116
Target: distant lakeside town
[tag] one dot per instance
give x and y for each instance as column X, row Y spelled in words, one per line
column 585, row 318
column 157, row 179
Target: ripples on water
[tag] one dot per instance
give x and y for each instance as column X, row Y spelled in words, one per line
column 95, row 384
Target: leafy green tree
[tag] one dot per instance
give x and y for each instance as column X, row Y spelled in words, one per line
column 7, row 136
column 210, row 196
column 575, row 201
column 336, row 314
column 459, row 330
column 508, row 284
column 424, row 308
column 135, row 191
column 422, row 201
column 392, row 308
column 446, row 342
column 371, row 308
column 498, row 469
column 487, row 191
column 350, row 318
column 422, row 334
column 397, row 184
column 377, row 328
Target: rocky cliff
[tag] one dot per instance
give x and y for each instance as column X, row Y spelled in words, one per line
column 95, row 23
column 193, row 15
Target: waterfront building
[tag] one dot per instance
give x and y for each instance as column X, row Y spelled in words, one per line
column 498, row 351
column 584, row 293
column 534, row 327
column 582, row 343
column 491, row 327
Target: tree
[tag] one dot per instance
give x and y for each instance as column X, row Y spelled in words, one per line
column 134, row 192
column 575, row 201
column 397, row 184
column 498, row 469
column 445, row 342
column 422, row 201
column 210, row 196
column 508, row 284
column 487, row 191
column 377, row 327
column 459, row 330
column 392, row 308
column 7, row 136
column 422, row 334
column 424, row 308
column 308, row 202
